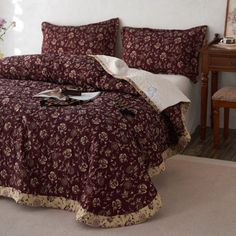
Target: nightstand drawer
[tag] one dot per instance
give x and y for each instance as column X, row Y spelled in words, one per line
column 222, row 62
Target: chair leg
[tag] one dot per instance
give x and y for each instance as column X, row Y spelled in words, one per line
column 226, row 123
column 216, row 126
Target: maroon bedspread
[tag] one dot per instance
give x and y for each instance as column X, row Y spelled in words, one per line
column 94, row 158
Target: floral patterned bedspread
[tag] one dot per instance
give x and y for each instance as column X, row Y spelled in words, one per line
column 96, row 158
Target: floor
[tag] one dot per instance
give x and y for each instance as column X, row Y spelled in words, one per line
column 226, row 150
column 196, row 202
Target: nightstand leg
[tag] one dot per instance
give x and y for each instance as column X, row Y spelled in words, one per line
column 204, row 94
column 214, row 88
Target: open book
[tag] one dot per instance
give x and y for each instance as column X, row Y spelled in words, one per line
column 65, row 94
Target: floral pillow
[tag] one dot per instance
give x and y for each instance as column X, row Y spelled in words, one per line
column 97, row 38
column 164, row 51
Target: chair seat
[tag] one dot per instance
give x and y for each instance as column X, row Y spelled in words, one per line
column 226, row 98
column 225, row 94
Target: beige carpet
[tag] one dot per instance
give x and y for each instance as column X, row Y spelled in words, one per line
column 199, row 197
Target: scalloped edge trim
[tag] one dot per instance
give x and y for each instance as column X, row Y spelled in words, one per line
column 81, row 214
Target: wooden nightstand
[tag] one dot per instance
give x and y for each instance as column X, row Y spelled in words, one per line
column 216, row 60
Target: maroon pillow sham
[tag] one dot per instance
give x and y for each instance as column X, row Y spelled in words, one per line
column 164, row 51
column 97, row 38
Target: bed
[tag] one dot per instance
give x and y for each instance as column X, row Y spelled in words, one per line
column 95, row 158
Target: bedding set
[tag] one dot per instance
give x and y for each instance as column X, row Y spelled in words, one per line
column 96, row 158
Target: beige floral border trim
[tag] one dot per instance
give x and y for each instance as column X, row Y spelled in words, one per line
column 156, row 170
column 81, row 214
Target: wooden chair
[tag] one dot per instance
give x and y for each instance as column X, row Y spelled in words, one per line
column 223, row 98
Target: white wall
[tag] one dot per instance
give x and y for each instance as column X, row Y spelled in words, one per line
column 26, row 37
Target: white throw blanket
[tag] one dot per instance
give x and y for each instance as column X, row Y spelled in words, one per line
column 159, row 91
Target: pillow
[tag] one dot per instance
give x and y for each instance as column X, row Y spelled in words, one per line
column 97, row 38
column 164, row 51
